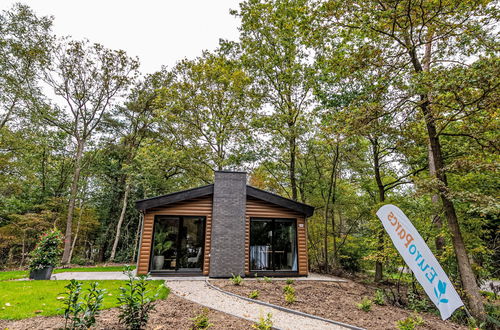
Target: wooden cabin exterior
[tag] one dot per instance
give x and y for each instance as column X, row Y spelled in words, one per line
column 223, row 229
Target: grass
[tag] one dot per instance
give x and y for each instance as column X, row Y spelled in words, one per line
column 16, row 274
column 32, row 298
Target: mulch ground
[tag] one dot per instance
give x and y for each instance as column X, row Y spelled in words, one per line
column 172, row 313
column 336, row 301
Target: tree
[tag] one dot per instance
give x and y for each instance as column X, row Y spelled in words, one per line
column 208, row 106
column 25, row 40
column 404, row 32
column 138, row 116
column 87, row 78
column 273, row 42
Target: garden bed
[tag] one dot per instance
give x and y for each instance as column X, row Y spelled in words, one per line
column 172, row 313
column 334, row 300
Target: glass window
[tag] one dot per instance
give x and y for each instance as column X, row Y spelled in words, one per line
column 273, row 245
column 178, row 244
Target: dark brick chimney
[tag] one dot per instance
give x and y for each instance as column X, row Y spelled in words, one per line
column 227, row 253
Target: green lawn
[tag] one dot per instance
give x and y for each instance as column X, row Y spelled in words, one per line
column 15, row 274
column 31, row 298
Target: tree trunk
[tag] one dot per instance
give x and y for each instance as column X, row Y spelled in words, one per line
column 72, row 200
column 77, row 230
column 120, row 220
column 466, row 274
column 137, row 235
column 436, row 219
column 381, row 195
column 293, row 150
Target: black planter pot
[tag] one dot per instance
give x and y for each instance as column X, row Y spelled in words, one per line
column 42, row 273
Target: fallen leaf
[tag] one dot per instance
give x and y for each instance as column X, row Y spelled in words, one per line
column 38, row 311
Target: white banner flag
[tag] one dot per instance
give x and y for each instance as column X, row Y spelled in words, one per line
column 420, row 259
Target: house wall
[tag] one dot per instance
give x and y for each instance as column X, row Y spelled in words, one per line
column 259, row 209
column 196, row 207
column 203, row 207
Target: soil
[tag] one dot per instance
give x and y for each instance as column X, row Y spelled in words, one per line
column 172, row 313
column 336, row 301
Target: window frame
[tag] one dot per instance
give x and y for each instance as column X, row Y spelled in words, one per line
column 180, row 221
column 282, row 272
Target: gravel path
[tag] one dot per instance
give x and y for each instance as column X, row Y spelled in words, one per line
column 200, row 293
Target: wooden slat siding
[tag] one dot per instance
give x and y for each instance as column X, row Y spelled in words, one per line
column 259, row 209
column 195, row 207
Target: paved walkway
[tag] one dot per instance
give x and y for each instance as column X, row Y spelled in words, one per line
column 200, row 293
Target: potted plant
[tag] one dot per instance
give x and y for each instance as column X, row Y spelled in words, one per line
column 162, row 245
column 46, row 254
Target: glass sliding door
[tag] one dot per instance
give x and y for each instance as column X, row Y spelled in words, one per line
column 261, row 238
column 273, row 245
column 178, row 244
column 191, row 244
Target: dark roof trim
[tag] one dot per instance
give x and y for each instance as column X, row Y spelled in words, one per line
column 305, row 209
column 266, row 196
column 174, row 197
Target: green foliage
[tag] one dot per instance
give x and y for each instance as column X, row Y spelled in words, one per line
column 80, row 311
column 254, row 294
column 410, row 323
column 47, row 251
column 290, row 297
column 289, row 281
column 136, row 300
column 379, row 297
column 236, row 279
column 365, row 305
column 288, row 289
column 267, row 279
column 264, row 323
column 201, row 321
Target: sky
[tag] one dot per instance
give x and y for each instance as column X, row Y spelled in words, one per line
column 159, row 32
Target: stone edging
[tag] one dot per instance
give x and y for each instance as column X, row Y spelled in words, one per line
column 284, row 309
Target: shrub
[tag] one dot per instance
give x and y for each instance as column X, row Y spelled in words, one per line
column 264, row 323
column 379, row 297
column 254, row 294
column 267, row 279
column 136, row 301
column 236, row 279
column 289, row 297
column 80, row 311
column 365, row 305
column 288, row 289
column 410, row 323
column 47, row 250
column 201, row 321
column 289, row 281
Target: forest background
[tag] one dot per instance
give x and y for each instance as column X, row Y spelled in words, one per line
column 343, row 105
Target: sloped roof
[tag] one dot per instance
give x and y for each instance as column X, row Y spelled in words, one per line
column 184, row 195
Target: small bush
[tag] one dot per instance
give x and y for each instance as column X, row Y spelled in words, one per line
column 264, row 323
column 201, row 321
column 81, row 310
column 289, row 281
column 267, row 279
column 410, row 323
column 236, row 279
column 289, row 297
column 288, row 289
column 136, row 301
column 365, row 305
column 254, row 294
column 379, row 297
column 47, row 250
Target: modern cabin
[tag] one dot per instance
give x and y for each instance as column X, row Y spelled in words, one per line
column 221, row 229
